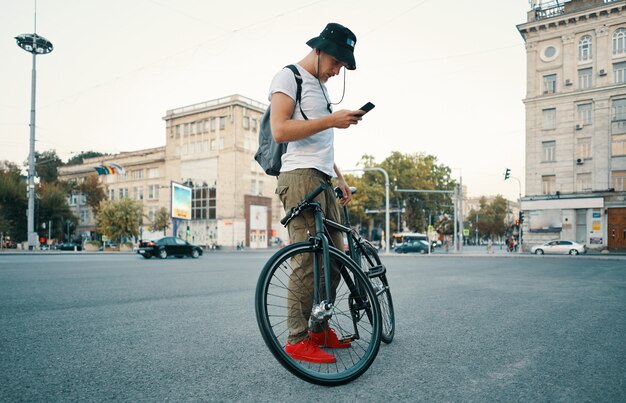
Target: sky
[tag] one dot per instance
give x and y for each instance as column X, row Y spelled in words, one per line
column 448, row 78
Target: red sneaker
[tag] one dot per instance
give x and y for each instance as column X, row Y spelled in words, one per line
column 328, row 338
column 308, row 351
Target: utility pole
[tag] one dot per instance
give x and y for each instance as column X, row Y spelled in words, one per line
column 36, row 45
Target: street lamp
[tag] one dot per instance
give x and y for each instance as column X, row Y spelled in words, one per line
column 37, row 45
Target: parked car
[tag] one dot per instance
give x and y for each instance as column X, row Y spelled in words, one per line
column 168, row 246
column 559, row 247
column 413, row 245
column 70, row 246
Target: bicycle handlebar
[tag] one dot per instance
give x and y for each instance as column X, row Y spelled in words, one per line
column 307, row 200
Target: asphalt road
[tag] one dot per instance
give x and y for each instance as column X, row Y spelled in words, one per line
column 77, row 327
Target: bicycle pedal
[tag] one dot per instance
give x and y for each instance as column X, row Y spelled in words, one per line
column 376, row 271
column 348, row 339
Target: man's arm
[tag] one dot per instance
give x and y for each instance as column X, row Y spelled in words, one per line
column 285, row 129
column 345, row 189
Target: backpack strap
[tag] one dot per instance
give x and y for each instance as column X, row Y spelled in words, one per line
column 298, row 77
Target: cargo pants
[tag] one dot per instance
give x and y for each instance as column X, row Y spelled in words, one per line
column 291, row 189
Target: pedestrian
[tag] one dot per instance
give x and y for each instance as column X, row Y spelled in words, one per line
column 489, row 246
column 308, row 161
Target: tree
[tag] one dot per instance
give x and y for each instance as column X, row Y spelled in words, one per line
column 490, row 217
column 78, row 158
column 406, row 171
column 94, row 192
column 47, row 165
column 13, row 202
column 161, row 220
column 119, row 219
column 54, row 210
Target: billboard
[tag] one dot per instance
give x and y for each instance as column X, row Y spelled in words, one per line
column 258, row 217
column 181, row 201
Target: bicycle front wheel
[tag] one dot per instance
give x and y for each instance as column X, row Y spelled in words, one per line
column 371, row 265
column 354, row 316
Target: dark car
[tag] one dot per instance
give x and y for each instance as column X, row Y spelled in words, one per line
column 413, row 245
column 70, row 246
column 168, row 246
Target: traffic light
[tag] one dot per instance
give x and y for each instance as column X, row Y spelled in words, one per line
column 521, row 216
column 188, row 231
column 507, row 174
column 517, row 222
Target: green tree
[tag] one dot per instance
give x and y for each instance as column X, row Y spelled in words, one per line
column 78, row 158
column 489, row 218
column 94, row 191
column 54, row 210
column 406, row 171
column 119, row 219
column 13, row 202
column 47, row 165
column 161, row 220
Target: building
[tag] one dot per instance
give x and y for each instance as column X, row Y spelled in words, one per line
column 210, row 147
column 575, row 123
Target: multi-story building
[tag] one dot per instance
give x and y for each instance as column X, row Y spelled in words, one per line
column 210, row 147
column 576, row 123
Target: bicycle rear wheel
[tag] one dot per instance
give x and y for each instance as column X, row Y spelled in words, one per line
column 371, row 265
column 355, row 315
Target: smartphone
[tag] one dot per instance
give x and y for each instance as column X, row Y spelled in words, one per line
column 366, row 108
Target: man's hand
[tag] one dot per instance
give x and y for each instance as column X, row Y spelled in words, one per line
column 345, row 189
column 344, row 118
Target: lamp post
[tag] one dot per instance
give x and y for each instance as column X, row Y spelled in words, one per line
column 37, row 45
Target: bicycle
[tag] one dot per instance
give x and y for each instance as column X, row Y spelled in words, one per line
column 343, row 298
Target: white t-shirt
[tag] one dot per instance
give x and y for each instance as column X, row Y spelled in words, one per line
column 316, row 151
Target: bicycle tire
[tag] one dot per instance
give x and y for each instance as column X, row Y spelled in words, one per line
column 271, row 313
column 383, row 292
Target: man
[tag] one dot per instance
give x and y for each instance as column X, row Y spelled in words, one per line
column 308, row 161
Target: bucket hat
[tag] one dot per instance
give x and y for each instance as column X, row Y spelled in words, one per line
column 338, row 41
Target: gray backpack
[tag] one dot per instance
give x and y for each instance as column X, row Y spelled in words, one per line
column 270, row 153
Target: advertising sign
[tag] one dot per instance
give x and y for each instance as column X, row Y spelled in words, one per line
column 181, row 201
column 258, row 217
column 545, row 221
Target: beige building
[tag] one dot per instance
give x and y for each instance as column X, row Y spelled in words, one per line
column 210, row 147
column 576, row 123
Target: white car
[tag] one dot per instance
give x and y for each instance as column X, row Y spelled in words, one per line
column 559, row 247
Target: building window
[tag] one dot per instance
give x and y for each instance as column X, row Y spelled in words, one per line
column 585, row 78
column 152, row 213
column 203, row 203
column 213, row 124
column 199, row 127
column 153, row 173
column 137, row 174
column 585, row 113
column 618, row 178
column 619, row 73
column 583, row 182
column 153, row 192
column 222, row 122
column 261, row 187
column 84, row 216
column 205, row 127
column 111, row 193
column 186, row 129
column 548, row 184
column 221, row 144
column 138, row 192
column 549, row 119
column 549, row 84
column 619, row 41
column 549, row 151
column 121, row 177
column 73, row 199
column 585, row 50
column 619, row 109
column 246, row 122
column 253, row 187
column 123, row 192
column 177, row 131
column 193, row 127
column 583, row 148
column 618, row 145
column 254, row 124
